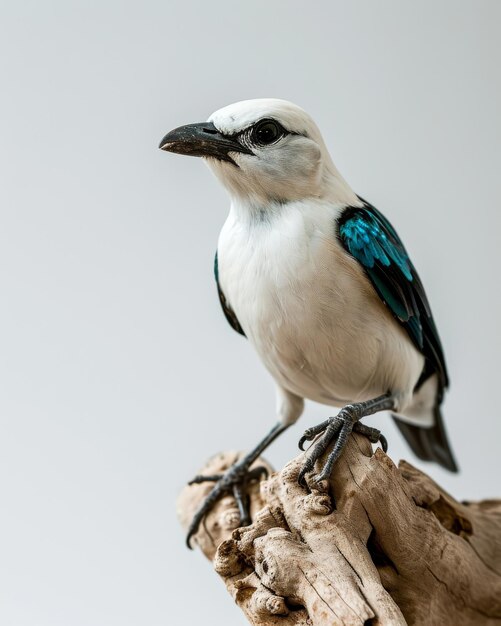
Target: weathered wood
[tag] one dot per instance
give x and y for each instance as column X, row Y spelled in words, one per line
column 394, row 549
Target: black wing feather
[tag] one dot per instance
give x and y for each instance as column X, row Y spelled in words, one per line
column 227, row 310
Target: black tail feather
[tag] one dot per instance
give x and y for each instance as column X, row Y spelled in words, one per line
column 429, row 444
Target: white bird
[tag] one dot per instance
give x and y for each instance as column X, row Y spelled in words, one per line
column 320, row 284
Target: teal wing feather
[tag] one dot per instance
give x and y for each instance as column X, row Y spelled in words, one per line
column 370, row 238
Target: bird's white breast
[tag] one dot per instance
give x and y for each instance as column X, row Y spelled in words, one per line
column 308, row 308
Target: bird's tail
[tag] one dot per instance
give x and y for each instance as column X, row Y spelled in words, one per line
column 429, row 443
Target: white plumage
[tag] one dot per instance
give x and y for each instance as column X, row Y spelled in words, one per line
column 305, row 304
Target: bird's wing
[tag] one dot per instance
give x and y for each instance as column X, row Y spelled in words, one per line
column 227, row 310
column 370, row 238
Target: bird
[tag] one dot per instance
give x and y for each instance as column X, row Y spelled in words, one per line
column 321, row 285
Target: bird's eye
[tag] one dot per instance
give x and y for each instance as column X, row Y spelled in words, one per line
column 266, row 132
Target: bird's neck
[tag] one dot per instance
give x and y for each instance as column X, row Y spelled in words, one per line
column 333, row 190
column 336, row 189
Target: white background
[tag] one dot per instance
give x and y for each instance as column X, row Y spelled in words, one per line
column 118, row 372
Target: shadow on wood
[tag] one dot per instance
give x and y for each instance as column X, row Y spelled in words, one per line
column 393, row 549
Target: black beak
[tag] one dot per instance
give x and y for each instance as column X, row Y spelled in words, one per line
column 202, row 140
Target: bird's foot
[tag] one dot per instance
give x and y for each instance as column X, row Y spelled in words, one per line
column 233, row 481
column 335, row 429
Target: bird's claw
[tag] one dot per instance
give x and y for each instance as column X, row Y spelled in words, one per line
column 339, row 428
column 204, row 479
column 310, row 433
column 234, row 481
column 373, row 434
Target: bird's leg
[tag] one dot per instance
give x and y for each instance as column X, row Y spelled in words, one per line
column 338, row 429
column 234, row 481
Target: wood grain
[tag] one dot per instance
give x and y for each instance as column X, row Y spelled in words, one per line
column 379, row 544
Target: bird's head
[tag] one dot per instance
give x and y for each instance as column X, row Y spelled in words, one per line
column 262, row 151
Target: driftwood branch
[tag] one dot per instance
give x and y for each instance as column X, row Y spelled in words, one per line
column 378, row 545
